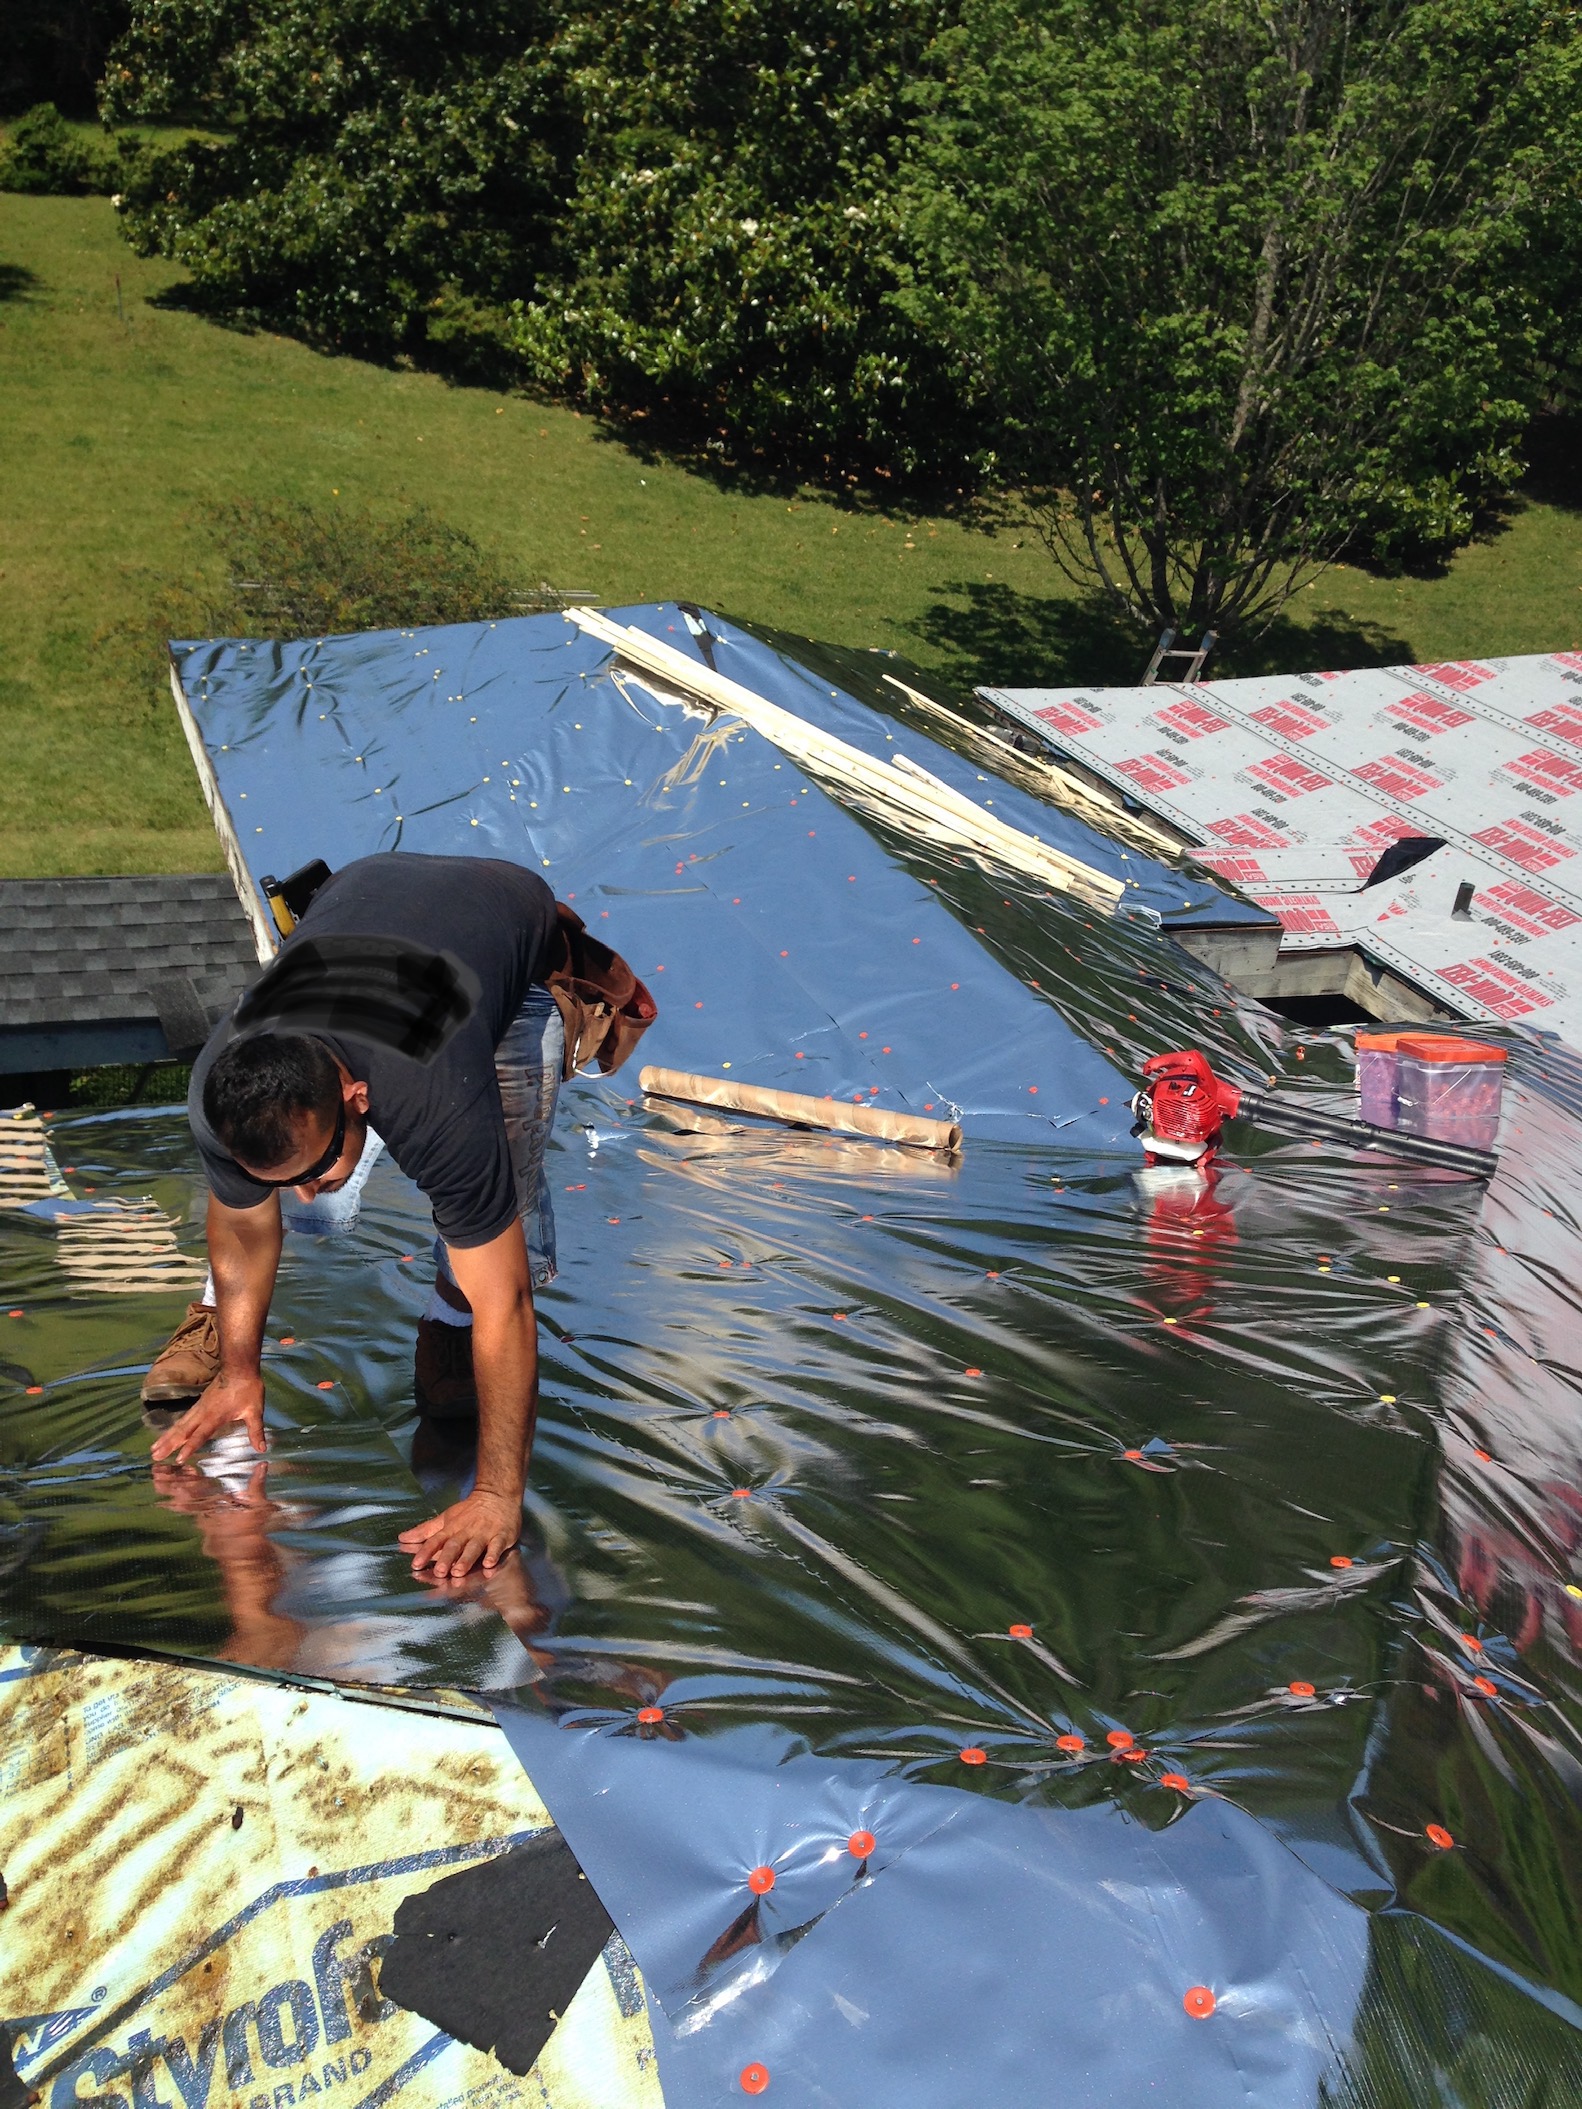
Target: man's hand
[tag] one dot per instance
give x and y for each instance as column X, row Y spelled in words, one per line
column 229, row 1399
column 482, row 1527
column 244, row 1252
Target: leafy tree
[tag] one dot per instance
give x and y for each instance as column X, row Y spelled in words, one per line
column 1243, row 284
column 375, row 173
column 677, row 208
column 726, row 251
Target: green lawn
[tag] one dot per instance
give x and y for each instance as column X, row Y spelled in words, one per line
column 115, row 436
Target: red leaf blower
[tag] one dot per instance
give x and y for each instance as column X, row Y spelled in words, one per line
column 1182, row 1110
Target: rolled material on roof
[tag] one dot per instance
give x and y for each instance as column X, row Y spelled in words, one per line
column 801, row 1111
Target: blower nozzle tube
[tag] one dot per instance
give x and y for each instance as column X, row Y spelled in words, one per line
column 1266, row 1111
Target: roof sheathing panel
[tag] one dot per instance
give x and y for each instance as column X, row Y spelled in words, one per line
column 1296, row 785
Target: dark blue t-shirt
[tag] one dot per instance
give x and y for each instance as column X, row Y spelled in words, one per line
column 441, row 1121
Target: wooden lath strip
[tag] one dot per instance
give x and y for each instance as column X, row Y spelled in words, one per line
column 1045, row 779
column 906, row 796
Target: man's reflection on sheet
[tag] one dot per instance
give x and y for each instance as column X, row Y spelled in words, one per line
column 225, row 1493
column 528, row 1592
column 250, row 1528
column 253, row 1536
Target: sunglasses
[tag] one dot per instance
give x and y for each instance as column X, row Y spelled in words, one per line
column 321, row 1165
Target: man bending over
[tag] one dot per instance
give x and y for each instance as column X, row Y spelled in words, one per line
column 407, row 1011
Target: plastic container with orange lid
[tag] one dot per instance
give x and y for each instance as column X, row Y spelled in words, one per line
column 1377, row 1076
column 1449, row 1088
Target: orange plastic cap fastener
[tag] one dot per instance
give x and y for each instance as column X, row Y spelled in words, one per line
column 1487, row 1686
column 861, row 1844
column 1301, row 1689
column 1072, row 1743
column 1120, row 1739
column 761, row 1881
column 1020, row 1632
column 1199, row 2002
column 1339, row 1559
column 754, row 2078
column 972, row 1755
column 648, row 1715
column 1437, row 1835
column 1178, row 1780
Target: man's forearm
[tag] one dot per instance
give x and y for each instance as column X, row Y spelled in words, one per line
column 505, row 1369
column 244, row 1256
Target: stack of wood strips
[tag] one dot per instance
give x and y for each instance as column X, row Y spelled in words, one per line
column 1043, row 779
column 28, row 1171
column 901, row 793
column 125, row 1247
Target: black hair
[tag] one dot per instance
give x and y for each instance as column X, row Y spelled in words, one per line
column 260, row 1086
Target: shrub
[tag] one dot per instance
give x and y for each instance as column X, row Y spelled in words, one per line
column 677, row 210
column 301, row 571
column 43, row 156
column 304, row 571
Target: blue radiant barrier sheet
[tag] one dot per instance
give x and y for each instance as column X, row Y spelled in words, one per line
column 994, row 1631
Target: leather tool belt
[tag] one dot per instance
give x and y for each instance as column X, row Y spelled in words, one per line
column 605, row 1008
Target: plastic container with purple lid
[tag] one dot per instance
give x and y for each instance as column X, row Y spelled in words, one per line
column 1449, row 1088
column 1377, row 1076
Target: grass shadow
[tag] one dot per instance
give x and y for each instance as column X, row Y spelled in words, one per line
column 990, row 634
column 1329, row 643
column 17, row 282
column 188, row 297
column 659, row 436
column 984, row 632
column 1554, row 462
column 657, row 440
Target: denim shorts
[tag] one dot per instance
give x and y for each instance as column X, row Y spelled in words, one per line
column 528, row 1064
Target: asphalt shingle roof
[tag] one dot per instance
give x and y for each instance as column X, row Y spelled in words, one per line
column 88, row 951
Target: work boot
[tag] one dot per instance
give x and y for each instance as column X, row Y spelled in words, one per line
column 189, row 1361
column 442, row 1379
